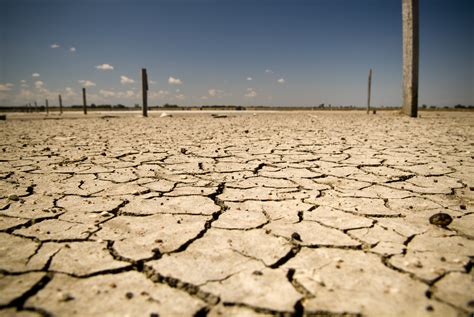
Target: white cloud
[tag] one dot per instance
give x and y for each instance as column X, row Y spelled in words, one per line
column 125, row 80
column 251, row 93
column 127, row 94
column 281, row 81
column 249, row 78
column 86, row 83
column 105, row 67
column 35, row 75
column 70, row 92
column 107, row 93
column 151, row 82
column 23, row 81
column 215, row 93
column 174, row 81
column 6, row 87
column 178, row 90
column 39, row 84
column 204, row 98
column 268, row 71
column 72, row 49
column 55, row 45
column 159, row 94
column 180, row 97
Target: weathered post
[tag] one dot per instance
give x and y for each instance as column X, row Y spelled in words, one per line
column 47, row 106
column 368, row 91
column 410, row 57
column 145, row 92
column 60, row 104
column 84, row 100
column 36, row 106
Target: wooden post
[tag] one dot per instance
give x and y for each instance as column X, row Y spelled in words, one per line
column 84, row 100
column 145, row 92
column 410, row 57
column 368, row 91
column 47, row 106
column 36, row 106
column 60, row 104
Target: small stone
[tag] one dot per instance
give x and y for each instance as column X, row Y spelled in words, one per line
column 441, row 219
column 258, row 273
column 462, row 207
column 129, row 295
column 183, row 150
column 296, row 236
column 14, row 198
column 66, row 297
column 429, row 308
column 470, row 303
column 154, row 315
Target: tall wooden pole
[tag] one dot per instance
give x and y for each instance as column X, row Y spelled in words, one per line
column 60, row 104
column 145, row 92
column 410, row 57
column 84, row 100
column 368, row 90
column 47, row 106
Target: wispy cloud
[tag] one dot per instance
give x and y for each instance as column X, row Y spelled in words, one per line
column 35, row 75
column 70, row 92
column 159, row 94
column 180, row 97
column 281, row 81
column 107, row 93
column 268, row 71
column 174, row 81
column 55, row 45
column 215, row 93
column 72, row 49
column 251, row 93
column 249, row 78
column 39, row 84
column 125, row 80
column 105, row 67
column 86, row 83
column 6, row 87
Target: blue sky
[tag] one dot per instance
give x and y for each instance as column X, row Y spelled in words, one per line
column 261, row 52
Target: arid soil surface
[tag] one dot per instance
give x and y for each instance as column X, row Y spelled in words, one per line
column 251, row 214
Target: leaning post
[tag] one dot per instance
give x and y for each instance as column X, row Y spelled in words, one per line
column 410, row 17
column 145, row 92
column 60, row 104
column 84, row 100
column 369, row 90
column 47, row 106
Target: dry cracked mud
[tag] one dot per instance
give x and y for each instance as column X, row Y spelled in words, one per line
column 250, row 214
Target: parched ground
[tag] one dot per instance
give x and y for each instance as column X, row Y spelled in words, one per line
column 252, row 214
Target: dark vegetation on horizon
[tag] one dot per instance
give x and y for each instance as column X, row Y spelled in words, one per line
column 167, row 106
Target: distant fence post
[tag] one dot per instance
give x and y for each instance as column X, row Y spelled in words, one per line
column 145, row 92
column 369, row 90
column 84, row 101
column 60, row 104
column 47, row 106
column 36, row 106
column 410, row 57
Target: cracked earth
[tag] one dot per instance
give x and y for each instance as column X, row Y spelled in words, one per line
column 239, row 215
